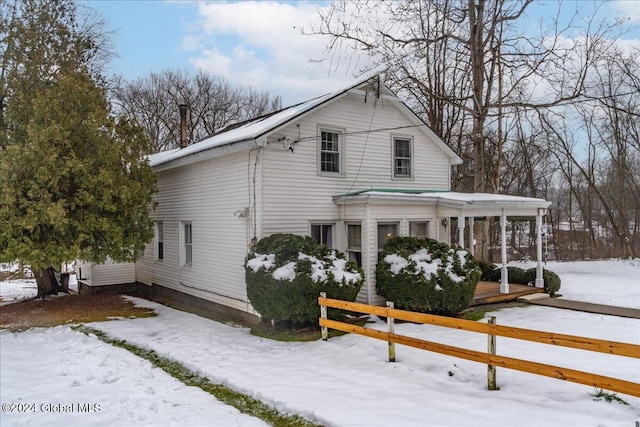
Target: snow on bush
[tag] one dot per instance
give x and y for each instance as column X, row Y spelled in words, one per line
column 285, row 274
column 421, row 262
column 426, row 275
column 319, row 268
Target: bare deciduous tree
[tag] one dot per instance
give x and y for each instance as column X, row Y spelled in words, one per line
column 468, row 66
column 213, row 104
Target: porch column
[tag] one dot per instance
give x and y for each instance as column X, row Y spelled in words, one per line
column 461, row 231
column 504, row 277
column 471, row 237
column 539, row 271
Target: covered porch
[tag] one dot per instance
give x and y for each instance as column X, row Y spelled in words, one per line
column 447, row 209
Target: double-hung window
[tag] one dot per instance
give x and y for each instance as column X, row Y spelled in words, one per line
column 187, row 243
column 331, row 151
column 354, row 243
column 402, row 159
column 323, row 233
column 159, row 241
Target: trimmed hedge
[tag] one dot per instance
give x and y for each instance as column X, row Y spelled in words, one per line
column 427, row 276
column 285, row 274
column 517, row 275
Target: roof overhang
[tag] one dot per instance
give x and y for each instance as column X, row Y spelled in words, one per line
column 200, row 156
column 450, row 203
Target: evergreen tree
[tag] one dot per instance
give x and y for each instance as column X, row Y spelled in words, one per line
column 74, row 181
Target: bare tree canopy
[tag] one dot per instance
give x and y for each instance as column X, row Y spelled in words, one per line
column 527, row 103
column 212, row 102
column 466, row 62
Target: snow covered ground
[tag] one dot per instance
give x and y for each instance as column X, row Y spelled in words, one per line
column 343, row 382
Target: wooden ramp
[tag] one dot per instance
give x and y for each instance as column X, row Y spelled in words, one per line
column 489, row 293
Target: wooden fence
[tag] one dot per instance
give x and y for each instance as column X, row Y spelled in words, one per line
column 489, row 358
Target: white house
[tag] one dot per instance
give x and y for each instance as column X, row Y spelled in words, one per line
column 351, row 169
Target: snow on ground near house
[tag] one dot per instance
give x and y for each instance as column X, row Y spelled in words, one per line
column 20, row 289
column 345, row 381
column 612, row 282
column 50, row 371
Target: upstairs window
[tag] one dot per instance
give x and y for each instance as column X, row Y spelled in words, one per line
column 330, row 151
column 402, row 164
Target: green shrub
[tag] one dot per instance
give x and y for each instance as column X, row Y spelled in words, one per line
column 285, row 274
column 488, row 270
column 552, row 281
column 427, row 276
column 522, row 277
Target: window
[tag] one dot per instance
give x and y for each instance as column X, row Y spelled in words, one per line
column 386, row 232
column 323, row 233
column 402, row 158
column 159, row 241
column 330, row 151
column 187, row 238
column 419, row 229
column 354, row 243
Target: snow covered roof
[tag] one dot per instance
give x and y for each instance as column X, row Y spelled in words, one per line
column 261, row 127
column 472, row 203
column 252, row 130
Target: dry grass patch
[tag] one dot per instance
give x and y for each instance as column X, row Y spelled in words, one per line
column 68, row 309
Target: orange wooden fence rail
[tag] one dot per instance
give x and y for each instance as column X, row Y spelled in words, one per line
column 492, row 360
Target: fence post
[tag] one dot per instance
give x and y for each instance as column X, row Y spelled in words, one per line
column 390, row 329
column 323, row 315
column 491, row 370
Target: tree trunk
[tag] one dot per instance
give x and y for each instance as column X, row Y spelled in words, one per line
column 47, row 282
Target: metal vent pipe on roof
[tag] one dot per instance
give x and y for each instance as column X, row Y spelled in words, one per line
column 183, row 125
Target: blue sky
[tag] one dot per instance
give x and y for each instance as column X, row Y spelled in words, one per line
column 256, row 44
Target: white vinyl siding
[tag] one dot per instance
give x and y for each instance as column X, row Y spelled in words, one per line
column 293, row 192
column 285, row 192
column 108, row 273
column 206, row 194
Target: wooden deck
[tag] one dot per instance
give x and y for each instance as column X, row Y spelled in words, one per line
column 489, row 293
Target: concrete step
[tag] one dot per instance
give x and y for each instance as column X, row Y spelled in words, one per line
column 533, row 297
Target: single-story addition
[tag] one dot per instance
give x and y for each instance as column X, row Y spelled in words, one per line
column 351, row 169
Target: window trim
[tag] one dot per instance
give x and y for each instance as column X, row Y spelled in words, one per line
column 394, row 175
column 341, row 150
column 186, row 259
